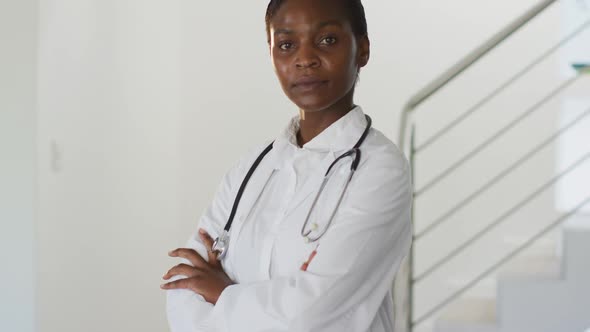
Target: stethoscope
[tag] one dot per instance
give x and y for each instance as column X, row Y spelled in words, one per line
column 221, row 243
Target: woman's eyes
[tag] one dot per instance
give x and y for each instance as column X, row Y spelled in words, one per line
column 328, row 40
column 285, row 46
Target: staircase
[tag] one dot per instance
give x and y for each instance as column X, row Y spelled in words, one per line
column 463, row 274
column 548, row 294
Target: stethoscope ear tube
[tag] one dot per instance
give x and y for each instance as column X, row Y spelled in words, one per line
column 243, row 186
column 305, row 234
column 365, row 133
column 221, row 242
column 355, row 161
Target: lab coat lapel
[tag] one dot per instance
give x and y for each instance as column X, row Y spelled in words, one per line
column 312, row 184
column 340, row 137
column 255, row 186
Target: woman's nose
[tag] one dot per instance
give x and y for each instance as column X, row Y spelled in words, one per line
column 307, row 57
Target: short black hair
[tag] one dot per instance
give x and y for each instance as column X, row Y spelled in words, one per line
column 354, row 8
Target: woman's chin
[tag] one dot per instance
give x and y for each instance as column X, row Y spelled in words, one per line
column 313, row 104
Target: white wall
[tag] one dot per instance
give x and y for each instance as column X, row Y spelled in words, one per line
column 18, row 33
column 108, row 162
column 145, row 104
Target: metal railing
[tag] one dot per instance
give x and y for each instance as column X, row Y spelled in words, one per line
column 504, row 260
column 465, row 63
column 412, row 150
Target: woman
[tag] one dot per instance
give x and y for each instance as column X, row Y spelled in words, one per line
column 284, row 268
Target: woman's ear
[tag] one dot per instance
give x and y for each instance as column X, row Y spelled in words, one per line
column 364, row 51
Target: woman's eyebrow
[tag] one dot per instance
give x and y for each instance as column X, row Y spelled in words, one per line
column 331, row 22
column 285, row 31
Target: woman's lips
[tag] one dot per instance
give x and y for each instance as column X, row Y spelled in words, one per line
column 309, row 84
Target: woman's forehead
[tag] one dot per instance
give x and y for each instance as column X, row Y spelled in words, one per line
column 310, row 12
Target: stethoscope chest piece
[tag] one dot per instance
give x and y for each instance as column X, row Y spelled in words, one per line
column 220, row 245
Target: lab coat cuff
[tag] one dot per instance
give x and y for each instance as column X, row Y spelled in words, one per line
column 224, row 299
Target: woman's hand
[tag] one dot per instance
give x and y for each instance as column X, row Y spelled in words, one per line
column 205, row 278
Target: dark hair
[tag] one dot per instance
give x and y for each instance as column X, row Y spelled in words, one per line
column 354, row 9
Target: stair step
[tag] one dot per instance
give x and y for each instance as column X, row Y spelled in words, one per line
column 544, row 267
column 469, row 311
column 578, row 223
column 547, row 292
column 577, row 247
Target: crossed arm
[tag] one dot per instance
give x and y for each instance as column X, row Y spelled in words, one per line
column 343, row 288
column 204, row 277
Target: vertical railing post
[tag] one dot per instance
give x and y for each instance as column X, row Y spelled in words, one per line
column 410, row 318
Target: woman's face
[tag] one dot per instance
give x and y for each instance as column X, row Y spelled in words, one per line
column 315, row 53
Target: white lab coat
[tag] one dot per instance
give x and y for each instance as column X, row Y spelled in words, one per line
column 347, row 286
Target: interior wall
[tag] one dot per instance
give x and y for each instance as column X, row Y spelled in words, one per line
column 108, row 162
column 18, row 33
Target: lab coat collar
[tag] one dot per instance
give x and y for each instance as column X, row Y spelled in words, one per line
column 338, row 137
column 311, row 184
column 341, row 136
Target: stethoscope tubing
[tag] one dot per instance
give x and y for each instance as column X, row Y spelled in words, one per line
column 324, row 182
column 221, row 242
column 243, row 186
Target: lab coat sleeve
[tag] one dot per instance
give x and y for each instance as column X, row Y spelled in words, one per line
column 188, row 311
column 356, row 262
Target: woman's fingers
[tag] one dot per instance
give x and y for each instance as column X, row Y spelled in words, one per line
column 181, row 269
column 208, row 242
column 189, row 254
column 188, row 283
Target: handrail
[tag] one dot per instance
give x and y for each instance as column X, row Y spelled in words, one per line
column 503, row 261
column 438, row 221
column 412, row 150
column 532, row 65
column 412, row 254
column 498, row 134
column 516, row 207
column 467, row 62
